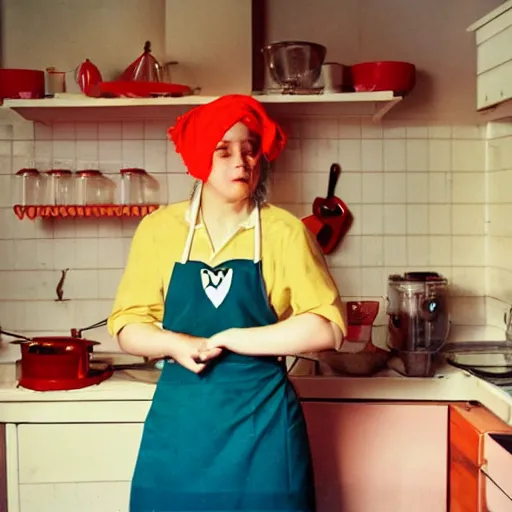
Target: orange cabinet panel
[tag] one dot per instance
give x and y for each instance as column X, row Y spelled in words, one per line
column 379, row 457
column 467, row 428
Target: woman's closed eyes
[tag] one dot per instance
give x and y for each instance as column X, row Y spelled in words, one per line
column 225, row 149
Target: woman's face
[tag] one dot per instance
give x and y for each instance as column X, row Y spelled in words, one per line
column 235, row 171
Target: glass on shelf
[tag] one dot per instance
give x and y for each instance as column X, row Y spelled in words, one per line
column 28, row 187
column 59, row 187
column 93, row 187
column 136, row 186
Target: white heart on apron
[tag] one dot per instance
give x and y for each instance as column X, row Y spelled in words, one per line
column 216, row 284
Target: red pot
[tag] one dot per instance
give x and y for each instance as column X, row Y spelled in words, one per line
column 399, row 77
column 55, row 358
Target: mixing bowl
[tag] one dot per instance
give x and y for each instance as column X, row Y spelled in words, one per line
column 294, row 64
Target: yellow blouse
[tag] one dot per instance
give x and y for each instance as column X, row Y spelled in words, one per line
column 294, row 270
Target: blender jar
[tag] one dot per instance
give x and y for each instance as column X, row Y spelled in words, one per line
column 418, row 310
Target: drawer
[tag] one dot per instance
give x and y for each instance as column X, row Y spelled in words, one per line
column 495, row 499
column 60, row 453
column 498, row 457
column 494, row 86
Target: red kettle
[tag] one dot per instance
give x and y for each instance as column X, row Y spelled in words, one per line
column 87, row 74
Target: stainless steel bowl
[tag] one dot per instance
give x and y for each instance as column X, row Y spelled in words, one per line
column 295, row 64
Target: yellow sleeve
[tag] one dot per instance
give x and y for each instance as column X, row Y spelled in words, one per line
column 139, row 297
column 307, row 277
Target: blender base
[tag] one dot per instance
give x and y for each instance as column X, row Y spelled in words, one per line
column 414, row 363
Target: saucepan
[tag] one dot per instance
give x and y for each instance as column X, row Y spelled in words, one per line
column 62, row 362
column 331, row 217
column 57, row 357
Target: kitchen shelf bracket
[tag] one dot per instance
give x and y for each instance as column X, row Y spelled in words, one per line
column 383, row 108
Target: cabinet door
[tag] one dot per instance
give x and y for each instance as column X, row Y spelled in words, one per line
column 378, row 457
column 494, row 86
column 69, row 453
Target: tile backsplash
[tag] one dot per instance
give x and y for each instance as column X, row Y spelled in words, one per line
column 417, row 193
column 499, row 233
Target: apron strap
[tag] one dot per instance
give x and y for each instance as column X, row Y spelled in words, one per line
column 195, row 204
column 257, row 237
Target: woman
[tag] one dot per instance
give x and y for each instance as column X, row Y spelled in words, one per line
column 222, row 273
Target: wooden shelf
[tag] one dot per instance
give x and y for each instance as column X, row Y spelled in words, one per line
column 86, row 211
column 67, row 107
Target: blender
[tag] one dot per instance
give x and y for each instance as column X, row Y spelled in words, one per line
column 419, row 322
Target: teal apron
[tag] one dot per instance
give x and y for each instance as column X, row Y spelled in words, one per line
column 232, row 437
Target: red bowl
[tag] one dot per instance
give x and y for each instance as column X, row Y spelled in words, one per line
column 21, row 83
column 399, row 77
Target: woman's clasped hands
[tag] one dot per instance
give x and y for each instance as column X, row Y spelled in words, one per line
column 195, row 353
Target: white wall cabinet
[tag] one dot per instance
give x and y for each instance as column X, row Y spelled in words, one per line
column 493, row 35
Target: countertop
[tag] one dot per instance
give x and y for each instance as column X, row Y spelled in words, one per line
column 122, row 398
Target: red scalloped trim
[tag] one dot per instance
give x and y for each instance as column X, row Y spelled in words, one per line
column 88, row 211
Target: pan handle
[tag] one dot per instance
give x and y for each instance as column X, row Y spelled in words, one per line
column 77, row 333
column 14, row 335
column 334, row 174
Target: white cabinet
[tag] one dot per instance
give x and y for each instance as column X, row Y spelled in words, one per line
column 87, row 452
column 78, row 467
column 379, row 457
column 493, row 35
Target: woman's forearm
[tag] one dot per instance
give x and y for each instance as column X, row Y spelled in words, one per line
column 307, row 332
column 147, row 340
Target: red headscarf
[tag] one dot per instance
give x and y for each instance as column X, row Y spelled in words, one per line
column 197, row 133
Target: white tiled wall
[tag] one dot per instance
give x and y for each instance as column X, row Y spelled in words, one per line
column 417, row 193
column 499, row 239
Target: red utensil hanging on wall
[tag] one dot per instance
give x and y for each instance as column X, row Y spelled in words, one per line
column 331, row 217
